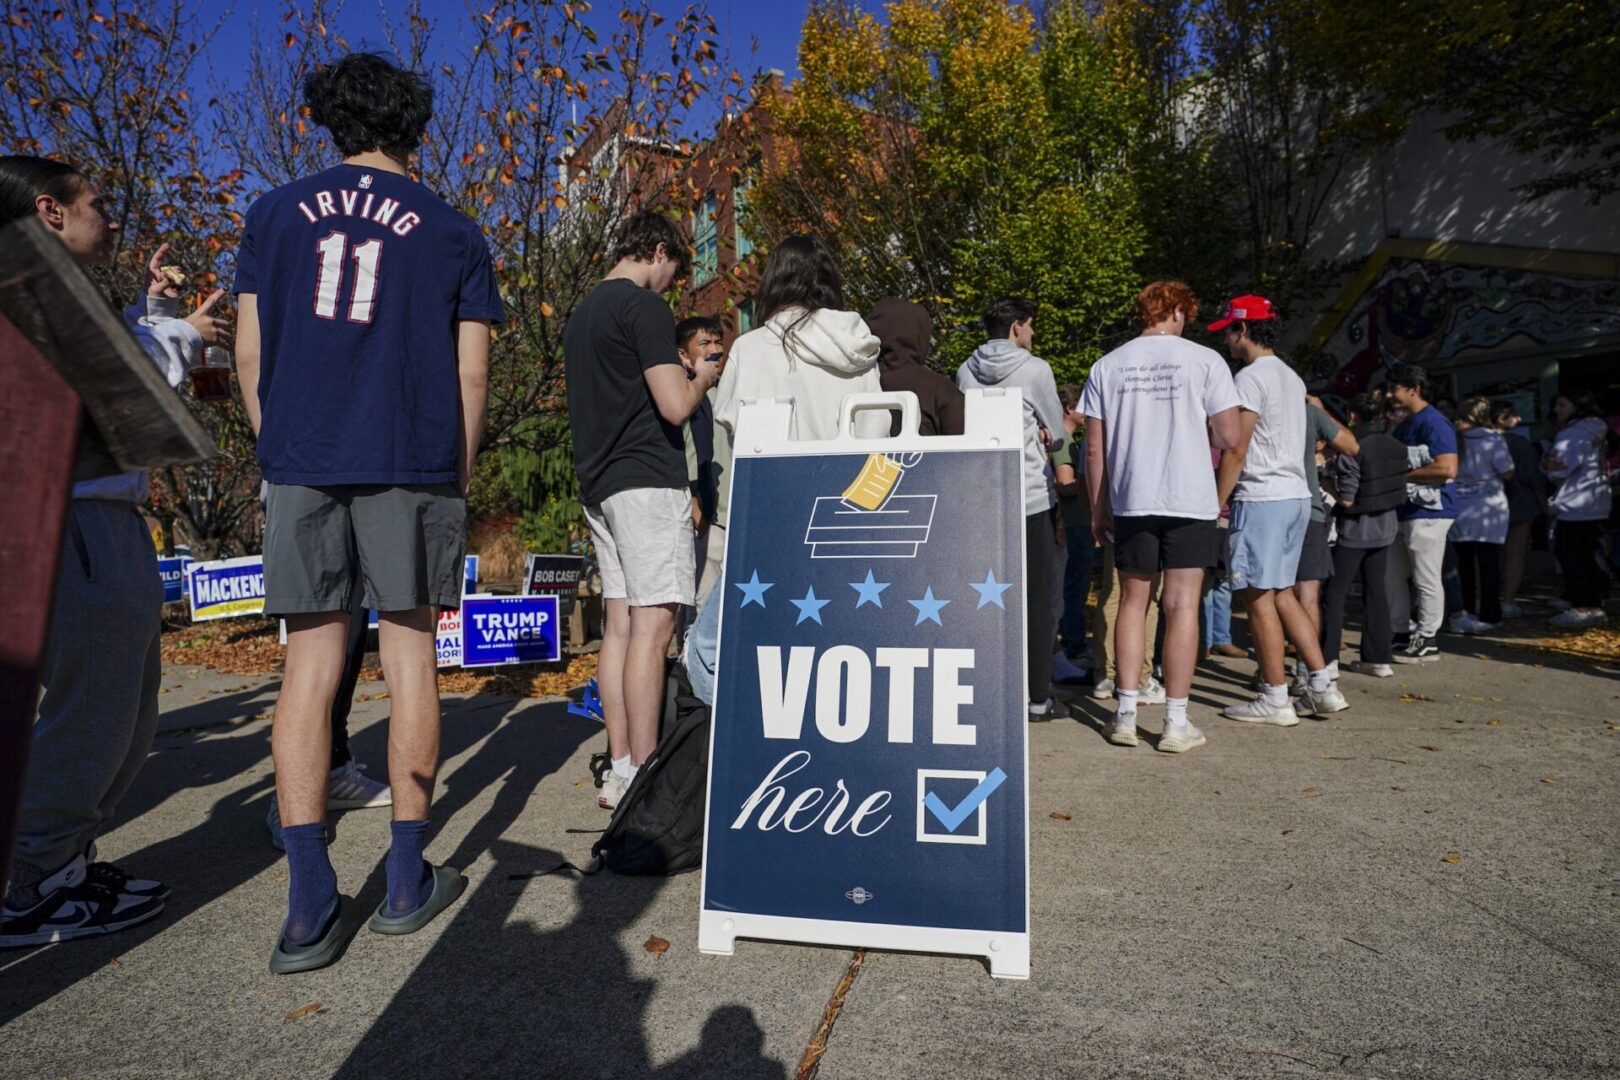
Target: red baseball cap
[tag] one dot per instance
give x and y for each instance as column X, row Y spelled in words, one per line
column 1249, row 308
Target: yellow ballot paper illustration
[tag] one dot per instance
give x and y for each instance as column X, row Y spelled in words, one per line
column 877, row 480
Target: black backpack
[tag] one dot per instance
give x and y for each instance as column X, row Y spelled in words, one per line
column 657, row 827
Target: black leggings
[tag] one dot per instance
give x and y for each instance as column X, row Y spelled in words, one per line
column 1578, row 545
column 1372, row 564
column 1040, row 569
column 1479, row 565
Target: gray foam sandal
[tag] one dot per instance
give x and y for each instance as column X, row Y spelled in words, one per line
column 448, row 884
column 288, row 959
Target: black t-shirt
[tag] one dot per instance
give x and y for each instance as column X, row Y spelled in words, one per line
column 620, row 441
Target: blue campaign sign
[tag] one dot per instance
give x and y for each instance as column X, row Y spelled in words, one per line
column 509, row 630
column 227, row 588
column 172, row 572
column 868, row 773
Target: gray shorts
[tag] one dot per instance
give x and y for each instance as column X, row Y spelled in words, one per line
column 404, row 546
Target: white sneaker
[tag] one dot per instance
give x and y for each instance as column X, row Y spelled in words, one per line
column 1377, row 671
column 1122, row 731
column 349, row 788
column 1150, row 692
column 613, row 788
column 1577, row 617
column 1261, row 711
column 1510, row 610
column 1320, row 702
column 1103, row 690
column 1180, row 739
column 1465, row 623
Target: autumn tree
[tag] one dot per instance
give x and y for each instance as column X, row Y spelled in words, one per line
column 521, row 88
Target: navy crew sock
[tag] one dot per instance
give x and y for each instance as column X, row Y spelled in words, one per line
column 312, row 896
column 410, row 878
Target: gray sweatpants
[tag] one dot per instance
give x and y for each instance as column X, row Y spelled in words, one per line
column 99, row 708
column 1420, row 549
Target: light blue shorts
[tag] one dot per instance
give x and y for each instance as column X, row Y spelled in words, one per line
column 1265, row 541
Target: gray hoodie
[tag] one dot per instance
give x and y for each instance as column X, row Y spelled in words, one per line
column 1001, row 364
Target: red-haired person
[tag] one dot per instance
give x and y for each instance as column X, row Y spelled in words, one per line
column 1153, row 408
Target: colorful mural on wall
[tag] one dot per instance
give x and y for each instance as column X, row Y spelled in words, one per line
column 1420, row 312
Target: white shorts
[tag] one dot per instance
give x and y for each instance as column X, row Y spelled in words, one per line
column 643, row 540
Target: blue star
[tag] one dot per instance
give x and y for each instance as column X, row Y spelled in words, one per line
column 990, row 590
column 809, row 607
column 928, row 608
column 753, row 590
column 869, row 590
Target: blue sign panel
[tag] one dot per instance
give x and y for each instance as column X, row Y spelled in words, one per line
column 868, row 760
column 509, row 630
column 172, row 572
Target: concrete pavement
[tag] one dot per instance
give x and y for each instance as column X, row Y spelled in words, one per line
column 1416, row 887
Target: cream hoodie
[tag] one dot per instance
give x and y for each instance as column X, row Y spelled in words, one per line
column 829, row 355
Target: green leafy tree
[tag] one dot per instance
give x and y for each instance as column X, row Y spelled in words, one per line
column 958, row 150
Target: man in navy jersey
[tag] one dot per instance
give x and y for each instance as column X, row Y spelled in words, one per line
column 365, row 304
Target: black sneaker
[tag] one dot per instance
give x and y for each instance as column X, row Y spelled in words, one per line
column 71, row 906
column 1420, row 650
column 115, row 879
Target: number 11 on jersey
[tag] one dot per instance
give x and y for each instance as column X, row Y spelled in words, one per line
column 329, row 278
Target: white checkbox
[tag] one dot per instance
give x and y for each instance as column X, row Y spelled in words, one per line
column 925, row 837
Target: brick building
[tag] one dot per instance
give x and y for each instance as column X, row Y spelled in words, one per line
column 709, row 184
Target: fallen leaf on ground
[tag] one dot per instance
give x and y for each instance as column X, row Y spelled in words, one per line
column 1492, row 723
column 656, row 945
column 1409, row 696
column 1313, row 790
column 1548, row 780
column 308, row 1010
column 1285, row 832
column 1058, row 815
column 1394, row 787
column 1452, row 859
column 1435, row 749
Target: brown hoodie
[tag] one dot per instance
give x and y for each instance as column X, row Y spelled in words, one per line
column 906, row 332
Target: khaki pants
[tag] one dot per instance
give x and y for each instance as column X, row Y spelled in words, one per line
column 1107, row 580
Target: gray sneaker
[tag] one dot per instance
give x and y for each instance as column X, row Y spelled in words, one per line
column 1377, row 671
column 1261, row 711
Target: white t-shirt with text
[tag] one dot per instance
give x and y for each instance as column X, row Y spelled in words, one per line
column 1275, row 466
column 1155, row 395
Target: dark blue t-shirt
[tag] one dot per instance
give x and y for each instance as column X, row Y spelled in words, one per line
column 1429, row 427
column 360, row 277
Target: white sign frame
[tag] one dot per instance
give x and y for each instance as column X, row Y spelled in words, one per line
column 994, row 421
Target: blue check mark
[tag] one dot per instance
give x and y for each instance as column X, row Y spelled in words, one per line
column 953, row 818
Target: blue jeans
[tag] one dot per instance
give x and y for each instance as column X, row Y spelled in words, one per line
column 1217, row 614
column 1076, row 589
column 702, row 642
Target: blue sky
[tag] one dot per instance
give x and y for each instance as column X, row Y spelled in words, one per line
column 771, row 24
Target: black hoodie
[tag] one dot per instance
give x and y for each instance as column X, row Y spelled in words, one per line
column 906, row 333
